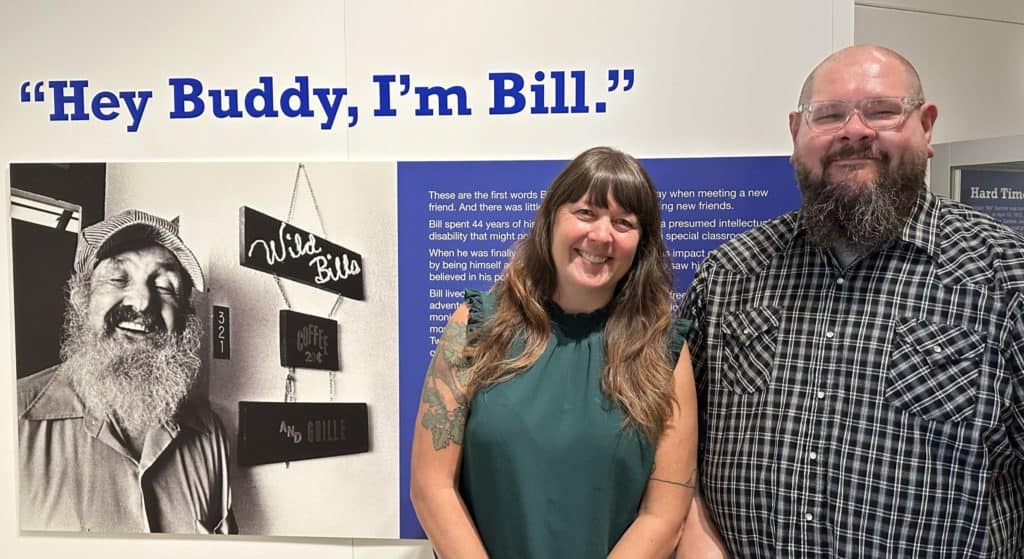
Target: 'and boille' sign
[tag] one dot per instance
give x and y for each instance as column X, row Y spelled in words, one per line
column 275, row 247
column 278, row 432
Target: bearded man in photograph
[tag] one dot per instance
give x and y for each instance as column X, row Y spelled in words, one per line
column 113, row 438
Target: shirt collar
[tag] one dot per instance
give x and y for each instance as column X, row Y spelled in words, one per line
column 922, row 229
column 59, row 400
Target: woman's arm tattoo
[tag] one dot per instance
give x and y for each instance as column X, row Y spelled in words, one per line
column 690, row 483
column 447, row 370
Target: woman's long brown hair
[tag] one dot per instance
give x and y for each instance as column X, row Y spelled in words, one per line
column 637, row 374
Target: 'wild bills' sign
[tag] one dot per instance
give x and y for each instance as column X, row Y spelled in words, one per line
column 275, row 247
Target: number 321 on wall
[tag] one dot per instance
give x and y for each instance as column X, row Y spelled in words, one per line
column 221, row 332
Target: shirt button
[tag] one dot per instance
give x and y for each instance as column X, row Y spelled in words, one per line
column 746, row 331
column 821, row 394
column 840, row 281
column 829, row 334
column 813, row 456
column 937, row 349
column 808, row 517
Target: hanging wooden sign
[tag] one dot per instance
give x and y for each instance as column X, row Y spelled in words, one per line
column 275, row 247
column 308, row 342
column 282, row 432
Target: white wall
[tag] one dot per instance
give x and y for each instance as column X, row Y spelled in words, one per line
column 948, row 156
column 713, row 78
column 998, row 10
column 970, row 56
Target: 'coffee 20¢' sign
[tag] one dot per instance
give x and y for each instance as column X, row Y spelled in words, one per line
column 275, row 247
column 308, row 342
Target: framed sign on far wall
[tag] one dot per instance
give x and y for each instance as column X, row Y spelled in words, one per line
column 996, row 189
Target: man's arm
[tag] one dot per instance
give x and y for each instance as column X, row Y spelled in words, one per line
column 700, row 538
column 1013, row 357
column 693, row 308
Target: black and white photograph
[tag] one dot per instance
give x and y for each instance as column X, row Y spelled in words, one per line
column 206, row 348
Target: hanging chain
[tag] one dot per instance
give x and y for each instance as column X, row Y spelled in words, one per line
column 280, row 287
column 335, row 307
column 289, row 389
column 301, row 172
column 316, row 204
column 289, row 386
column 295, row 190
column 289, row 395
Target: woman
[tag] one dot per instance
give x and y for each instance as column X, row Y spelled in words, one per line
column 552, row 423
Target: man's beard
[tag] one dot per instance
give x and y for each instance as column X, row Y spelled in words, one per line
column 140, row 383
column 860, row 217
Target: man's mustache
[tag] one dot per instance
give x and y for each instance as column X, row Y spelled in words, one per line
column 851, row 151
column 123, row 313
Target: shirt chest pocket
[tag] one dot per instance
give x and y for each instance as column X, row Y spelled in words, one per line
column 933, row 370
column 748, row 349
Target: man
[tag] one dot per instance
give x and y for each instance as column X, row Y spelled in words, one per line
column 108, row 439
column 861, row 360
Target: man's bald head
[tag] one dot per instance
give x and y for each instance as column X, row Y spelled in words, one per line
column 859, row 52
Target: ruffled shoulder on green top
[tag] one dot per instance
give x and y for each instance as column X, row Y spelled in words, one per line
column 677, row 332
column 481, row 306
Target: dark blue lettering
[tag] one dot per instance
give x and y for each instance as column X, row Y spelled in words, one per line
column 266, row 94
column 442, row 94
column 135, row 110
column 384, row 82
column 507, row 85
column 225, row 103
column 537, row 89
column 580, row 79
column 330, row 107
column 101, row 102
column 185, row 91
column 76, row 99
column 301, row 93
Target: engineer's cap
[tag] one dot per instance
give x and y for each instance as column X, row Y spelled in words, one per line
column 102, row 240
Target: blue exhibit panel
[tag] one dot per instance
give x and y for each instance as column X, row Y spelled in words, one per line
column 997, row 193
column 457, row 221
column 707, row 201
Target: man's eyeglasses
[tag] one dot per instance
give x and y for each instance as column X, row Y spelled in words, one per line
column 878, row 113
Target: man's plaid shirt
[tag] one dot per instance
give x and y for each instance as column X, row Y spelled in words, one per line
column 876, row 411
